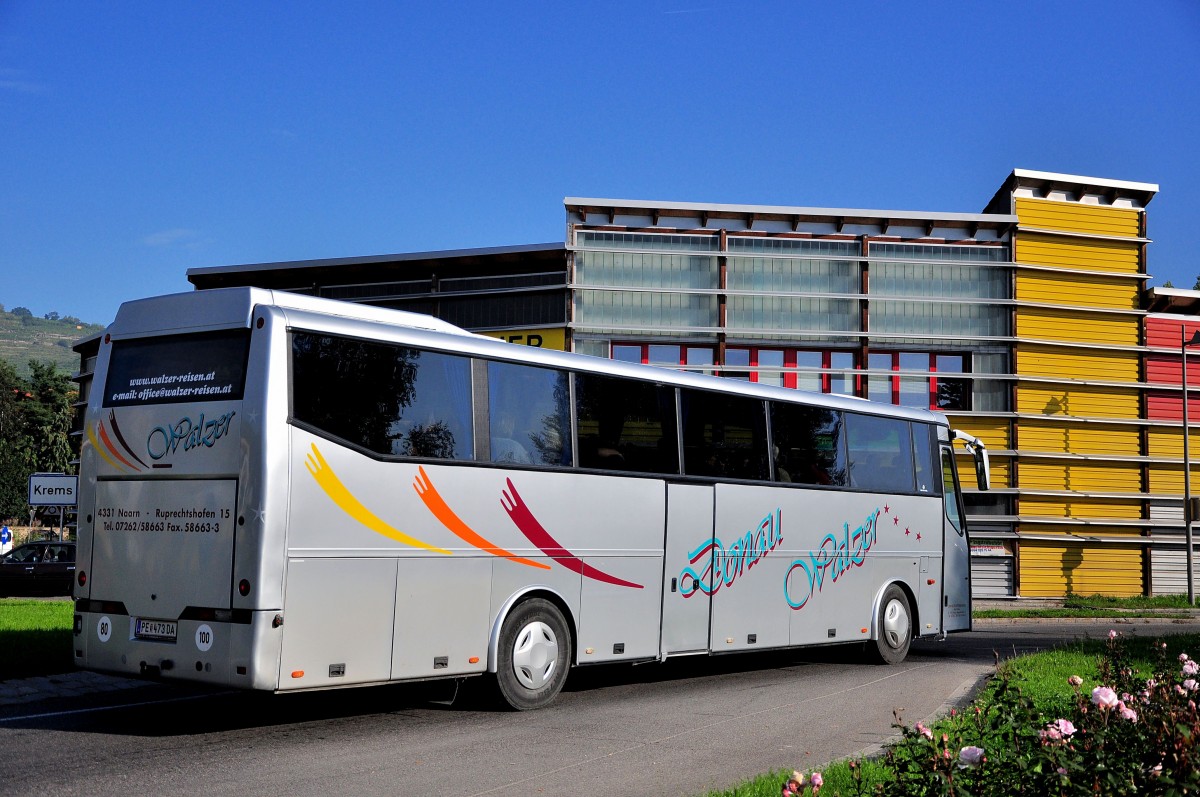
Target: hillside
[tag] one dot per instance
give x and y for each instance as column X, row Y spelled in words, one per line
column 27, row 337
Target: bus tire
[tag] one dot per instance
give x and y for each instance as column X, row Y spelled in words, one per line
column 534, row 655
column 895, row 627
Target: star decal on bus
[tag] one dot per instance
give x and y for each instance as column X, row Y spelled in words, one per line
column 533, row 530
column 441, row 510
column 348, row 503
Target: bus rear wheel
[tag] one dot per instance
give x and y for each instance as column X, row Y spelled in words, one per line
column 895, row 627
column 534, row 655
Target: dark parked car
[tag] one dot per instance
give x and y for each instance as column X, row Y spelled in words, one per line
column 38, row 568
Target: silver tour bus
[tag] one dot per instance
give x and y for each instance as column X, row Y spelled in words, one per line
column 287, row 493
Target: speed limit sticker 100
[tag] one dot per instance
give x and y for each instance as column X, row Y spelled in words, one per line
column 204, row 638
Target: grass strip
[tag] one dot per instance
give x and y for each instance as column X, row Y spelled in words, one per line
column 36, row 637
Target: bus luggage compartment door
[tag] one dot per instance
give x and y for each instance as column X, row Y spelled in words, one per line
column 687, row 582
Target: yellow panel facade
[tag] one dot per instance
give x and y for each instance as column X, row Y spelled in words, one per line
column 1048, row 214
column 1065, row 506
column 1081, row 254
column 1054, row 570
column 1080, row 400
column 1054, row 361
column 1077, row 326
column 1169, row 443
column 1078, row 438
column 992, row 431
column 1085, row 290
column 1096, row 477
column 1168, row 479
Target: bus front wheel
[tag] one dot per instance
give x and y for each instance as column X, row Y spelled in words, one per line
column 534, row 655
column 895, row 627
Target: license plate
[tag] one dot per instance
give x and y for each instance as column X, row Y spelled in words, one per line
column 160, row 630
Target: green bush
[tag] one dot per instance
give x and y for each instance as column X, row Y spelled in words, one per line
column 1125, row 734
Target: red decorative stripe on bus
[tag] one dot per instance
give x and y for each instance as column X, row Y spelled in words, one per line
column 537, row 534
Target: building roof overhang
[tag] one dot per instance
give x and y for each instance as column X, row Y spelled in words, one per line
column 373, row 268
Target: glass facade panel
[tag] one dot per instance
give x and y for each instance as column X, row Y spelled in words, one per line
column 794, row 246
column 914, row 390
column 645, row 270
column 624, row 240
column 940, row 318
column 700, row 355
column 627, row 354
column 792, row 276
column 809, row 380
column 662, row 354
column 740, row 360
column 950, row 282
column 972, row 254
column 784, row 313
column 841, row 381
column 770, row 367
column 595, row 308
column 953, row 393
column 879, row 386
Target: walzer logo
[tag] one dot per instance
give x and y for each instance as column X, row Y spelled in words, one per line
column 190, row 433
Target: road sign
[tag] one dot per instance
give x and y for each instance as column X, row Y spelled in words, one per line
column 5, row 535
column 53, row 489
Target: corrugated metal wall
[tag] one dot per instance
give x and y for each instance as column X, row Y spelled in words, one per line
column 1076, row 217
column 1051, row 569
column 1067, row 447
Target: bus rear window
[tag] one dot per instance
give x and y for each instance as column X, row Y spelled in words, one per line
column 207, row 366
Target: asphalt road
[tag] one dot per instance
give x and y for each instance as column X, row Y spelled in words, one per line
column 660, row 729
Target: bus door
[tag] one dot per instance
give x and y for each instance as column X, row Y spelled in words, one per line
column 956, row 553
column 687, row 582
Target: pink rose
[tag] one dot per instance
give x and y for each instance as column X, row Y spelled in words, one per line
column 921, row 729
column 1190, row 667
column 1112, row 634
column 1128, row 713
column 970, row 756
column 1075, row 680
column 816, row 780
column 1104, row 697
column 1190, row 684
column 1065, row 727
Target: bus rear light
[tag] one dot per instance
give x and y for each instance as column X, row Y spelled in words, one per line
column 82, row 579
column 473, row 660
column 243, row 587
column 297, row 673
column 931, row 581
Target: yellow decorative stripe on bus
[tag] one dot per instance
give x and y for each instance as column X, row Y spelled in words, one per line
column 337, row 492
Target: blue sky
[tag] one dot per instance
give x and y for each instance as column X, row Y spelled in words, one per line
column 141, row 139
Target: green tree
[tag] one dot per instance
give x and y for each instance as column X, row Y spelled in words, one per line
column 48, row 417
column 16, row 448
column 35, row 427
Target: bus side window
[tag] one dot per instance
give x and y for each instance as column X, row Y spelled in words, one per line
column 388, row 399
column 529, row 415
column 809, row 445
column 881, row 458
column 625, row 425
column 724, row 436
column 926, row 467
